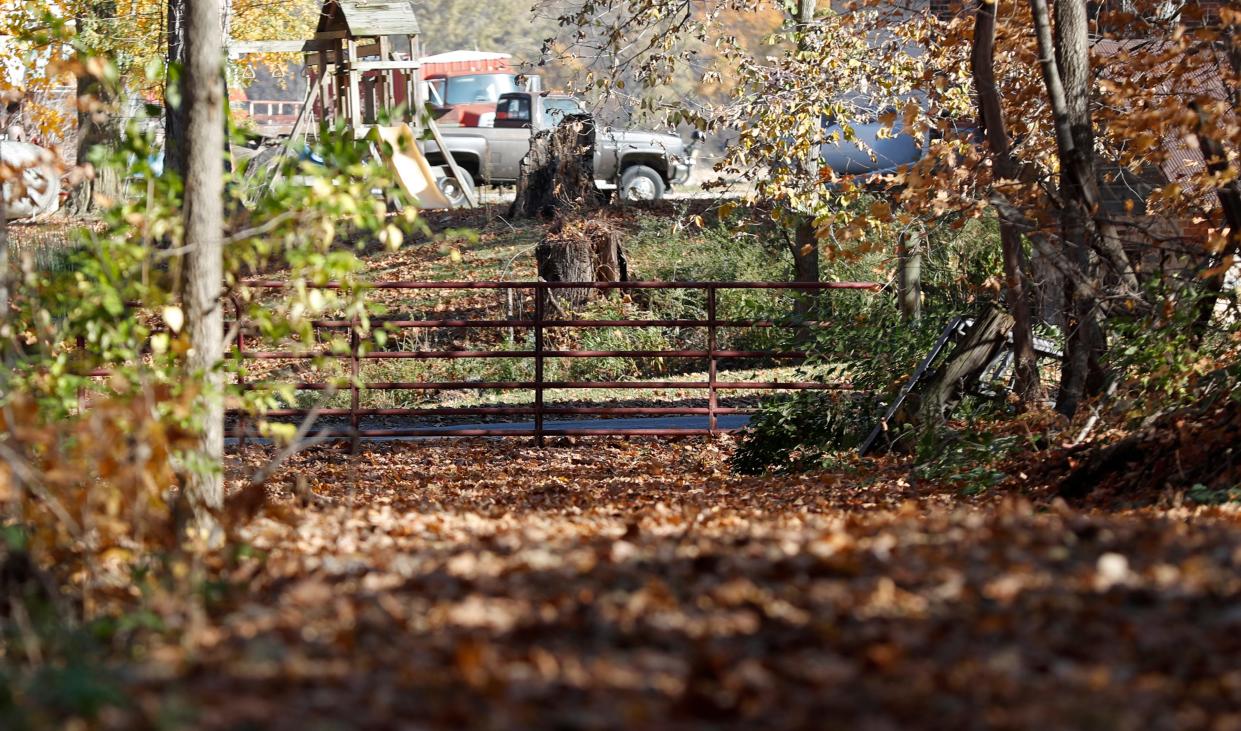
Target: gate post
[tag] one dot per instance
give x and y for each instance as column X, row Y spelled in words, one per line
column 243, row 424
column 540, row 291
column 711, row 366
column 355, row 372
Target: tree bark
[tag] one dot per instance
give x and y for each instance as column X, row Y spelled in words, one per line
column 202, row 92
column 96, row 128
column 805, row 250
column 176, row 121
column 1068, row 91
column 935, row 398
column 806, row 241
column 909, row 279
column 1028, row 387
column 1216, row 264
column 4, row 278
column 579, row 250
column 558, row 173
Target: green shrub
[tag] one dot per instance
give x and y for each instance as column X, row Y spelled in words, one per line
column 862, row 339
column 803, row 431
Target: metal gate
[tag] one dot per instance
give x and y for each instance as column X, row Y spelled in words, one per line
column 540, row 323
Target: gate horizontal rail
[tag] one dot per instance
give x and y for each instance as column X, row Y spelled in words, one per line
column 539, row 323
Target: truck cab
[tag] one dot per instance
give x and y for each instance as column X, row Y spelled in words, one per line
column 639, row 165
column 535, row 111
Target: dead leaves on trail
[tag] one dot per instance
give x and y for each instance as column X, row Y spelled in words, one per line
column 634, row 584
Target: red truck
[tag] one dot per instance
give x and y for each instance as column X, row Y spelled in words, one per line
column 465, row 86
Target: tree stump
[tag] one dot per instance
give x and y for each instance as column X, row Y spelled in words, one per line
column 580, row 250
column 556, row 181
column 558, row 173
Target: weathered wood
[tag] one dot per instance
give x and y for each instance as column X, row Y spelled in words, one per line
column 580, row 250
column 929, row 402
column 239, row 48
column 413, row 89
column 981, row 344
column 355, row 79
column 909, row 276
column 376, row 17
column 558, row 173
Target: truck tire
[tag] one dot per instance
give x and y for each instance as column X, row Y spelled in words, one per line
column 455, row 191
column 640, row 183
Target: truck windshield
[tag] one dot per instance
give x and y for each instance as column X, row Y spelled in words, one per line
column 557, row 109
column 478, row 88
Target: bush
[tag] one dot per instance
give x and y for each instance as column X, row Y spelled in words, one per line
column 864, row 341
column 803, row 432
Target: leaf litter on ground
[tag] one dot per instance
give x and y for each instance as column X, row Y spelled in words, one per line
column 630, row 583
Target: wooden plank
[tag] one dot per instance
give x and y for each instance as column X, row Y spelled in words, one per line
column 387, row 65
column 238, row 48
column 457, row 172
column 413, row 87
column 386, row 98
column 379, row 17
column 355, row 77
column 363, row 51
column 324, row 96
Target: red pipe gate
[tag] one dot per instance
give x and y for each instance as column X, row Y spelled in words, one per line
column 540, row 323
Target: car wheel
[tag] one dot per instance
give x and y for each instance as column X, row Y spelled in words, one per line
column 640, row 183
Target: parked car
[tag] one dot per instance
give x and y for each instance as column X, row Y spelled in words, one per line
column 639, row 165
column 877, row 148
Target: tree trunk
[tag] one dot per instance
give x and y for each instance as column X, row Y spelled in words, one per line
column 4, row 278
column 806, row 240
column 991, row 112
column 176, row 120
column 559, row 171
column 579, row 250
column 202, row 92
column 909, row 278
column 96, row 128
column 1216, row 264
column 1068, row 91
column 805, row 250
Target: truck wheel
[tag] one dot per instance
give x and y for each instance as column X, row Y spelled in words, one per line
column 455, row 190
column 640, row 183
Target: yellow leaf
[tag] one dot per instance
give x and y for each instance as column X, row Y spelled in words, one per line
column 174, row 317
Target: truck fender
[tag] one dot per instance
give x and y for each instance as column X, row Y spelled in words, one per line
column 656, row 160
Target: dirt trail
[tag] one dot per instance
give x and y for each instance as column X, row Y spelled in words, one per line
column 636, row 584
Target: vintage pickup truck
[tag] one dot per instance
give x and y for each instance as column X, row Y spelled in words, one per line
column 639, row 165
